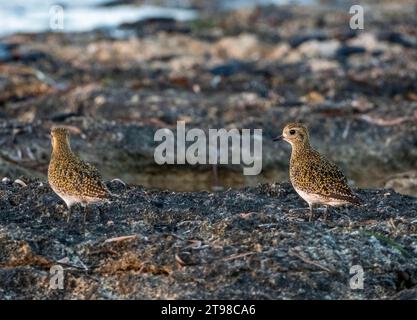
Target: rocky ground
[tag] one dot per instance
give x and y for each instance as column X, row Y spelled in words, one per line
column 236, row 244
column 248, row 68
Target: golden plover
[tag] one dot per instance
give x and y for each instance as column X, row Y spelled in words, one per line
column 315, row 178
column 72, row 179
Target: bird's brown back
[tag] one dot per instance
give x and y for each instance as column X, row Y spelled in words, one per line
column 73, row 176
column 313, row 173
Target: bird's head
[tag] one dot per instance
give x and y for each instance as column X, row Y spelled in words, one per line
column 295, row 134
column 59, row 137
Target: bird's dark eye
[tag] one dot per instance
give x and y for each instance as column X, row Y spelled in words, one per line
column 292, row 131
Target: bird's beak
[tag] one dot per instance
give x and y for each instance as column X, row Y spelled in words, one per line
column 279, row 138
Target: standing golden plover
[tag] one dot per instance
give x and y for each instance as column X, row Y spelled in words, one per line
column 72, row 179
column 314, row 178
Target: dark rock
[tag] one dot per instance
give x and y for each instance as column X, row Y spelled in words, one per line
column 408, row 294
column 346, row 51
column 399, row 38
column 299, row 39
column 230, row 68
column 62, row 116
column 156, row 24
column 5, row 54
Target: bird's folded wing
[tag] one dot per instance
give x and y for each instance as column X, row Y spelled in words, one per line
column 332, row 182
column 92, row 181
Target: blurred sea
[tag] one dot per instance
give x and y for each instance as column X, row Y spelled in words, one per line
column 84, row 15
column 79, row 15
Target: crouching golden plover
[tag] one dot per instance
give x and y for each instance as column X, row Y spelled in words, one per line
column 315, row 178
column 72, row 179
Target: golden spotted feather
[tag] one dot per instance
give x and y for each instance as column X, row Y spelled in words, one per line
column 71, row 175
column 312, row 173
column 71, row 178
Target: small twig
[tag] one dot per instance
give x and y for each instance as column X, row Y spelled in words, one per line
column 245, row 215
column 308, row 261
column 386, row 122
column 237, row 256
column 69, row 265
column 122, row 238
column 185, row 222
column 268, row 225
column 178, row 237
column 104, row 250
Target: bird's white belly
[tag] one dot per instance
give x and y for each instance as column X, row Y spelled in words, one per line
column 312, row 198
column 68, row 199
column 309, row 197
column 73, row 199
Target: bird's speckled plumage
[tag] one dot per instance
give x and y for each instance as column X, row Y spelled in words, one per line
column 315, row 178
column 74, row 180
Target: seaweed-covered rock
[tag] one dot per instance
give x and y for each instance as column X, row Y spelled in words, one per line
column 247, row 244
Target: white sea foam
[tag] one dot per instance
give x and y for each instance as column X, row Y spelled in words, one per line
column 79, row 15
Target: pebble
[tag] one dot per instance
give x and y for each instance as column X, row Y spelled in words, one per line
column 5, row 180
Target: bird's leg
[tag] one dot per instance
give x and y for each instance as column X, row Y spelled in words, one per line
column 326, row 213
column 310, row 205
column 85, row 209
column 69, row 211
